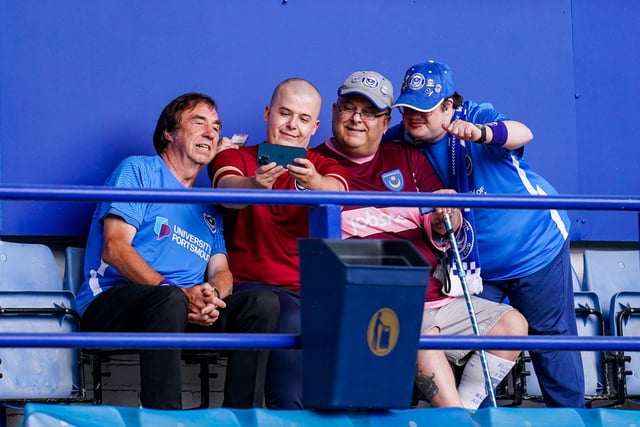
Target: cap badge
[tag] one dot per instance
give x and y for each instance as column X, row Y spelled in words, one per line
column 370, row 81
column 416, row 81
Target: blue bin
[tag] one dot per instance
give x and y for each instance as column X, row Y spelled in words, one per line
column 362, row 303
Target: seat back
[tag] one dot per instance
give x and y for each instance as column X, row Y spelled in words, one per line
column 609, row 271
column 577, row 284
column 38, row 373
column 32, row 300
column 625, row 318
column 73, row 269
column 589, row 322
column 29, row 266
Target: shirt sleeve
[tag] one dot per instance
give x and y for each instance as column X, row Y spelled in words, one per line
column 329, row 167
column 128, row 174
column 233, row 162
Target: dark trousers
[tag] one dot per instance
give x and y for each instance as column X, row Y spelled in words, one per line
column 283, row 389
column 545, row 299
column 142, row 308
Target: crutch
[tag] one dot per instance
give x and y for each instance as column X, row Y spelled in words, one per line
column 472, row 313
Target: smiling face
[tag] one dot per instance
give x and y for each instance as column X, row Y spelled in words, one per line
column 427, row 127
column 194, row 140
column 292, row 116
column 353, row 135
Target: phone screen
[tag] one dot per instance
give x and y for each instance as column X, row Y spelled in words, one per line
column 283, row 155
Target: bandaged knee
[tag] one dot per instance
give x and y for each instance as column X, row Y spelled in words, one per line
column 473, row 388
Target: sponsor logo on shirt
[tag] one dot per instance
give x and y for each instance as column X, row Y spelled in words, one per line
column 364, row 222
column 185, row 239
column 191, row 242
column 161, row 227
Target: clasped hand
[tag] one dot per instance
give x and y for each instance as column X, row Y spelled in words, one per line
column 204, row 304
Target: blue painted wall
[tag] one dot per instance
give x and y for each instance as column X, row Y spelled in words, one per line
column 82, row 83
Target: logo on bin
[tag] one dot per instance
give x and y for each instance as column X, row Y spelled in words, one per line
column 383, row 331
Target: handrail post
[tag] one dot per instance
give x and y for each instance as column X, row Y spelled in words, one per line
column 325, row 222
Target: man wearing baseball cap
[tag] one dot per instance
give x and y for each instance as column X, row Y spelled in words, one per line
column 524, row 254
column 361, row 115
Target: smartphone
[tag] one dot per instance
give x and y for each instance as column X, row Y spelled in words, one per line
column 283, row 155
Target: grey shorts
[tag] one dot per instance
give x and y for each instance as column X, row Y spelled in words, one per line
column 453, row 319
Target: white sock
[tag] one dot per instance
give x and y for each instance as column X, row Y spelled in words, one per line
column 472, row 388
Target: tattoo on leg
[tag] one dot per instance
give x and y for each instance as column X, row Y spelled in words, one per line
column 427, row 385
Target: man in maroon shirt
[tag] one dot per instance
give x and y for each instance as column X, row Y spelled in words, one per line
column 262, row 239
column 361, row 115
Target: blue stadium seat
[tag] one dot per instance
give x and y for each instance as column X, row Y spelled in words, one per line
column 590, row 322
column 609, row 271
column 73, row 269
column 625, row 321
column 577, row 284
column 28, row 267
column 32, row 300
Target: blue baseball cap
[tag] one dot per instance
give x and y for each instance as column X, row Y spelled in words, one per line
column 425, row 86
column 370, row 84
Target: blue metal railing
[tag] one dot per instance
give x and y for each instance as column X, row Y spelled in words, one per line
column 314, row 198
column 235, row 341
column 325, row 223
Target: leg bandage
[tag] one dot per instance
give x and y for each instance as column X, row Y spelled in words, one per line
column 472, row 388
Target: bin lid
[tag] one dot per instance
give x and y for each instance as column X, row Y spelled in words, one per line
column 365, row 251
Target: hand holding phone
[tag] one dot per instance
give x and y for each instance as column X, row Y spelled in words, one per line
column 283, row 155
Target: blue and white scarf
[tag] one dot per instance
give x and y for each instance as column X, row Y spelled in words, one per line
column 459, row 171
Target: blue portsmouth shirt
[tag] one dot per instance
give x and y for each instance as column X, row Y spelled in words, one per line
column 175, row 239
column 511, row 243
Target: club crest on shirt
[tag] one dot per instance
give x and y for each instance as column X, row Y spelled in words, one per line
column 162, row 227
column 393, row 180
column 299, row 187
column 210, row 220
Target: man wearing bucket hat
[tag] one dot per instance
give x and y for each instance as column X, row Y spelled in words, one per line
column 360, row 116
column 524, row 254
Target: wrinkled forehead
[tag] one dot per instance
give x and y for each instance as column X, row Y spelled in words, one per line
column 200, row 108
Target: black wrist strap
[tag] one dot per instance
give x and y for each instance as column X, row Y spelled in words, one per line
column 483, row 134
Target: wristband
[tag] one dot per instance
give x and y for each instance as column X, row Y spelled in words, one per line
column 166, row 282
column 500, row 133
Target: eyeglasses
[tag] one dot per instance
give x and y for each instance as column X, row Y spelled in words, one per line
column 348, row 111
